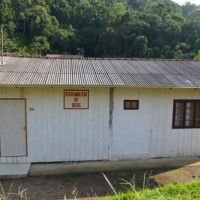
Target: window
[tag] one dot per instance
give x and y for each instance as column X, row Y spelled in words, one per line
column 186, row 114
column 131, row 104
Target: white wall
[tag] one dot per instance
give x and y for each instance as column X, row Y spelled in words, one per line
column 131, row 128
column 147, row 132
column 168, row 142
column 55, row 134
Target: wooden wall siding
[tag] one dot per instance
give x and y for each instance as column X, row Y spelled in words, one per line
column 168, row 142
column 55, row 134
column 131, row 128
column 148, row 133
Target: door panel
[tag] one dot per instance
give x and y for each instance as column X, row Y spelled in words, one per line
column 12, row 127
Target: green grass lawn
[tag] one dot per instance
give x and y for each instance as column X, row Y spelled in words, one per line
column 188, row 191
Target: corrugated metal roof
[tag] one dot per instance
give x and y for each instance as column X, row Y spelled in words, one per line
column 21, row 71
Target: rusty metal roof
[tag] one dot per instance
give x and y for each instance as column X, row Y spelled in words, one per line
column 23, row 71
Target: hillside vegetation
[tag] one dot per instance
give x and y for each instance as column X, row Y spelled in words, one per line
column 101, row 28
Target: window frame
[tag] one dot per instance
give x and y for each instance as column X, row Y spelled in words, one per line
column 137, row 101
column 185, row 101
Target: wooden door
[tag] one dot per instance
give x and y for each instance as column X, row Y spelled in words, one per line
column 13, row 127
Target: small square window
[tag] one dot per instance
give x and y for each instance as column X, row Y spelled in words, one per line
column 131, row 104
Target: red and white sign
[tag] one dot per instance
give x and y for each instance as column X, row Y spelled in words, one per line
column 76, row 99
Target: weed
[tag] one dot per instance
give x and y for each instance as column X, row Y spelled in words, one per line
column 189, row 191
column 20, row 195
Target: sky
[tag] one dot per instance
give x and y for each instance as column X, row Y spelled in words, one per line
column 181, row 2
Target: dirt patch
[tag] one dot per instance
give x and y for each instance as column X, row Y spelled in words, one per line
column 78, row 185
column 182, row 175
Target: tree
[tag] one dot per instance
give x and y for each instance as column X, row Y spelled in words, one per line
column 197, row 57
column 102, row 28
column 190, row 10
column 9, row 46
column 40, row 44
column 62, row 10
column 11, row 27
column 140, row 46
column 191, row 33
column 41, row 21
column 181, row 51
column 6, row 11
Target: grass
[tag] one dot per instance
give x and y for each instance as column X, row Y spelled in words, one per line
column 9, row 195
column 187, row 191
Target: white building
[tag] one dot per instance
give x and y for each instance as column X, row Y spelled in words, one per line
column 54, row 110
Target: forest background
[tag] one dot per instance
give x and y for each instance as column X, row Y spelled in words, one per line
column 101, row 28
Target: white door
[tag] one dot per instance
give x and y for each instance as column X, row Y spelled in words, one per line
column 12, row 128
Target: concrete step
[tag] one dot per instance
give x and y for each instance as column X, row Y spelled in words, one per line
column 14, row 170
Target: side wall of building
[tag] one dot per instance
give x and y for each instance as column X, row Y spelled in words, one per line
column 55, row 134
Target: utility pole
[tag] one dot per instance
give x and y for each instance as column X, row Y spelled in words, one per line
column 2, row 62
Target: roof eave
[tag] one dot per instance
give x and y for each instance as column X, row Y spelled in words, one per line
column 102, row 86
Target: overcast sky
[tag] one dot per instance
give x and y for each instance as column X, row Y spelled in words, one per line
column 197, row 2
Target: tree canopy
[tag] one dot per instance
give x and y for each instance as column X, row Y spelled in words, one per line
column 101, row 28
